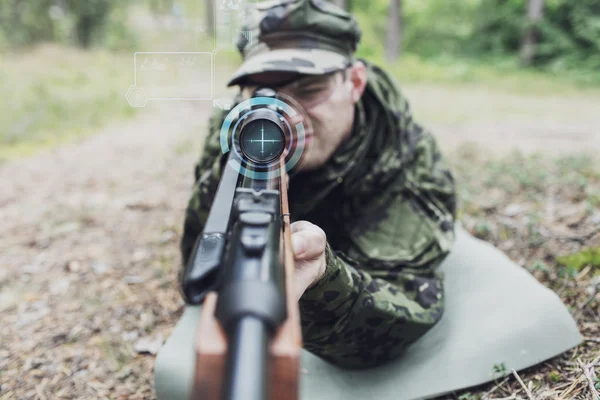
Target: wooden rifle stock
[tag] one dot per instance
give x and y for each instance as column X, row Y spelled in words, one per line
column 284, row 352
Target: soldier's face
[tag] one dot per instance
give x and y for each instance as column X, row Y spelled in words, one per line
column 328, row 101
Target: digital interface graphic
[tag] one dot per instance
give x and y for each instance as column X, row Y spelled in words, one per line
column 171, row 76
column 190, row 75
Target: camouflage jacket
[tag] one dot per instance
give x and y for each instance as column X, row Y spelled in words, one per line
column 386, row 201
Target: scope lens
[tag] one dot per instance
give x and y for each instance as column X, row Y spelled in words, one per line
column 262, row 141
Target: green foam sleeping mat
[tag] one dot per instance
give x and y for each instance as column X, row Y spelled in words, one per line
column 496, row 313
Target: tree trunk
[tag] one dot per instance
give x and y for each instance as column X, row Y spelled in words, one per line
column 210, row 18
column 84, row 27
column 535, row 10
column 393, row 44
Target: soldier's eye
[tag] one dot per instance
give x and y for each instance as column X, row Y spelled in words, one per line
column 313, row 89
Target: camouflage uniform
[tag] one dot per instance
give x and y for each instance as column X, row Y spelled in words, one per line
column 386, row 201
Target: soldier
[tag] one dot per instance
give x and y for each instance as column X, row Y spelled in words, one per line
column 374, row 203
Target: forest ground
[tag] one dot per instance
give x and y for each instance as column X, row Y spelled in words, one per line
column 90, row 230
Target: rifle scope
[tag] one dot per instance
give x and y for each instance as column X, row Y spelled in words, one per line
column 262, row 138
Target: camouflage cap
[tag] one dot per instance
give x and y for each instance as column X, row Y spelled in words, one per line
column 306, row 36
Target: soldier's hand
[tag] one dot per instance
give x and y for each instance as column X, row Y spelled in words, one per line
column 308, row 242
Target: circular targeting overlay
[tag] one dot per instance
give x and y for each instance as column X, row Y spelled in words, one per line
column 260, row 131
column 262, row 141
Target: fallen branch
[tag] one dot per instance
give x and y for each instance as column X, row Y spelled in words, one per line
column 522, row 384
column 590, row 380
column 587, row 303
column 573, row 385
column 492, row 390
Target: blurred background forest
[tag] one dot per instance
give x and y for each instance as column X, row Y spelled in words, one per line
column 553, row 35
column 536, row 44
column 93, row 190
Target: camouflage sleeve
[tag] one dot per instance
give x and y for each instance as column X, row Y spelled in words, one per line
column 356, row 320
column 384, row 291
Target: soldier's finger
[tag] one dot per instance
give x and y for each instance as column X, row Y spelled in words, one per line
column 308, row 240
column 301, row 226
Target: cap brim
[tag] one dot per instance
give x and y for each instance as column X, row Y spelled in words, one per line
column 302, row 61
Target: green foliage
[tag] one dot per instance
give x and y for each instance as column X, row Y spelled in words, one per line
column 84, row 23
column 554, row 376
column 539, row 265
column 431, row 28
column 24, row 22
column 568, row 35
column 577, row 261
column 482, row 229
column 500, row 369
column 89, row 16
column 115, row 33
column 438, row 28
column 498, row 26
column 469, row 396
column 489, row 31
column 67, row 93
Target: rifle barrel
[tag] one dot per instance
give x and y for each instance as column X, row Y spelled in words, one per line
column 247, row 361
column 252, row 303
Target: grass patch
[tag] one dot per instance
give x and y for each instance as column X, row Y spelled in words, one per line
column 51, row 94
column 502, row 75
column 579, row 260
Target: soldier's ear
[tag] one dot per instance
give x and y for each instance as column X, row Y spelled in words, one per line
column 358, row 80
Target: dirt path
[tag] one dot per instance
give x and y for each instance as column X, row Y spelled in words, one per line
column 549, row 124
column 89, row 242
column 88, row 255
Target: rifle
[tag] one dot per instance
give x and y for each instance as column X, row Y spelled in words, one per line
column 248, row 340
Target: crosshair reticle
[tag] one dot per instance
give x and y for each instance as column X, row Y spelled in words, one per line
column 258, row 131
column 262, row 141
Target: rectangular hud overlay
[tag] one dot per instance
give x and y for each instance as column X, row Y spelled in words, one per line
column 174, row 75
